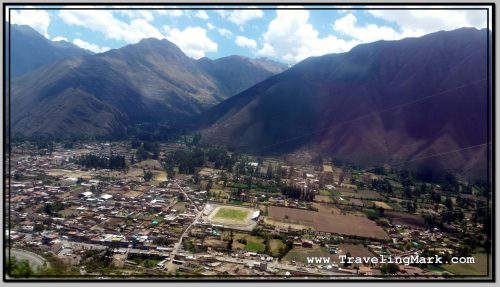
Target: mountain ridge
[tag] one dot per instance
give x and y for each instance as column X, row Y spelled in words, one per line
column 150, row 81
column 316, row 104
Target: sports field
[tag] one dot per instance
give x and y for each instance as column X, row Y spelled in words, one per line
column 232, row 213
column 237, row 217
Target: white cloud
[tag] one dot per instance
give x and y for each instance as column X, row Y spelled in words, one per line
column 148, row 15
column 420, row 22
column 240, row 17
column 369, row 33
column 92, row 47
column 104, row 22
column 173, row 13
column 225, row 32
column 245, row 42
column 36, row 19
column 202, row 15
column 292, row 38
column 193, row 41
column 141, row 14
column 60, row 38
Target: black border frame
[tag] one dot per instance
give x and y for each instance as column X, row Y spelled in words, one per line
column 491, row 116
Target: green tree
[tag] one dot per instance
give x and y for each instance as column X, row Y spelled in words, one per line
column 148, row 175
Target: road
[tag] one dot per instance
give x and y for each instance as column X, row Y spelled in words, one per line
column 35, row 260
column 178, row 244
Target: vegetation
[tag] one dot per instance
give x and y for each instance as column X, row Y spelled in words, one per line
column 98, row 161
column 18, row 268
column 231, row 213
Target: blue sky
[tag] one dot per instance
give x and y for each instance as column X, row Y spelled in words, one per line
column 286, row 35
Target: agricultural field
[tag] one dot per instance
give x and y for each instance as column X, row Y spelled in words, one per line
column 180, row 207
column 329, row 222
column 382, row 205
column 159, row 176
column 70, row 173
column 395, row 206
column 479, row 267
column 150, row 164
column 250, row 243
column 362, row 194
column 132, row 194
column 324, row 192
column 400, row 218
column 275, row 245
column 356, row 250
column 323, row 198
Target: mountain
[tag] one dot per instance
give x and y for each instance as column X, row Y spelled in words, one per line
column 30, row 50
column 387, row 101
column 236, row 73
column 103, row 94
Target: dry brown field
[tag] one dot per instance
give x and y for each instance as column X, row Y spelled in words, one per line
column 329, row 222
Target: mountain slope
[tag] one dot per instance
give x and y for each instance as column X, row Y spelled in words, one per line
column 151, row 81
column 236, row 73
column 30, row 50
column 383, row 101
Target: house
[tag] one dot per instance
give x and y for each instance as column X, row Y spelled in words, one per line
column 307, row 243
column 365, row 270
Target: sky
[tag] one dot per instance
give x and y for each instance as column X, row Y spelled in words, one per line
column 287, row 34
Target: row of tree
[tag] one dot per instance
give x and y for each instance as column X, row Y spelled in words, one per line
column 99, row 161
column 296, row 192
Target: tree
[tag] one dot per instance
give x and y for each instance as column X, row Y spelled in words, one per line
column 230, row 242
column 381, row 211
column 209, row 185
column 47, row 208
column 169, row 169
column 269, row 173
column 196, row 139
column 148, row 175
column 392, row 268
column 448, row 203
column 18, row 268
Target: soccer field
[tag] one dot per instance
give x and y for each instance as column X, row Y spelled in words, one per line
column 232, row 213
column 238, row 217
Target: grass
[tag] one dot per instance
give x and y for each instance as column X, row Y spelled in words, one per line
column 382, row 204
column 255, row 247
column 324, row 192
column 370, row 213
column 275, row 245
column 395, row 206
column 180, row 206
column 253, row 243
column 231, row 213
column 479, row 267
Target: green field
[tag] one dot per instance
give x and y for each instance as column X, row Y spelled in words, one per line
column 255, row 247
column 231, row 213
column 275, row 245
column 324, row 192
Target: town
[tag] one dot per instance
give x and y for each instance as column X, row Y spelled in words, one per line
column 178, row 209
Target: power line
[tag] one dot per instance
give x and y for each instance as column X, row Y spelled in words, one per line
column 441, row 154
column 374, row 113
